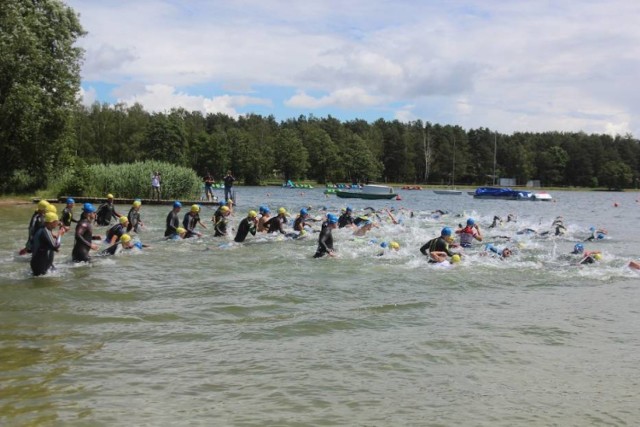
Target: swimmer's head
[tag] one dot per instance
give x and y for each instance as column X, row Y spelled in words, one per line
column 455, row 259
column 177, row 204
column 109, row 196
column 70, row 201
column 332, row 218
column 88, row 208
column 252, row 214
column 446, row 232
column 394, row 245
column 597, row 256
column 51, row 208
column 282, row 211
column 600, row 236
column 304, row 212
column 124, row 220
column 137, row 203
column 181, row 230
column 224, row 209
column 125, row 238
column 471, row 222
column 578, row 248
column 42, row 205
column 50, row 217
column 195, row 208
column 506, row 253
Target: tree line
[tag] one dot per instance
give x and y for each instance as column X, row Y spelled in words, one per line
column 44, row 130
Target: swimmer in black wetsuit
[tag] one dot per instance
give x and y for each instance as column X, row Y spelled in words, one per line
column 437, row 249
column 106, row 211
column 346, row 219
column 277, row 223
column 45, row 243
column 299, row 223
column 67, row 214
column 84, row 235
column 325, row 239
column 191, row 220
column 116, row 231
column 223, row 222
column 35, row 224
column 134, row 217
column 173, row 220
column 247, row 225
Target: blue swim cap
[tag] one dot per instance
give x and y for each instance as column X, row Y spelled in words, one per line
column 471, row 222
column 266, row 210
column 446, row 232
column 349, row 209
column 578, row 248
column 331, row 218
column 138, row 245
column 177, row 204
column 261, row 210
column 600, row 236
column 383, row 244
column 70, row 201
column 592, row 229
column 88, row 208
column 303, row 211
column 222, row 202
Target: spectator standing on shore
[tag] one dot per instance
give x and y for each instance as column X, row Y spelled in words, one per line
column 155, row 185
column 228, row 184
column 208, row 186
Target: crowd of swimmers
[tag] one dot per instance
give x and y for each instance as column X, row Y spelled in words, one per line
column 46, row 229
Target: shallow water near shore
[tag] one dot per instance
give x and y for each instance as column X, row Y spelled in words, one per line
column 207, row 332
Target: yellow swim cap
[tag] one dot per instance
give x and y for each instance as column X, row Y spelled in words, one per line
column 124, row 220
column 137, row 203
column 253, row 214
column 195, row 208
column 42, row 205
column 230, row 201
column 394, row 245
column 282, row 211
column 50, row 217
column 125, row 238
column 51, row 208
column 109, row 196
column 597, row 257
column 224, row 209
column 180, row 230
column 455, row 258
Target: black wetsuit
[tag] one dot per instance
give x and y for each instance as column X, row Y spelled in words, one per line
column 189, row 222
column 299, row 223
column 173, row 222
column 134, row 220
column 325, row 241
column 83, row 238
column 36, row 223
column 276, row 224
column 221, row 227
column 105, row 212
column 345, row 219
column 116, row 230
column 67, row 217
column 43, row 248
column 439, row 244
column 246, row 226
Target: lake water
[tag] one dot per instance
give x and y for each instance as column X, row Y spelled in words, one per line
column 199, row 332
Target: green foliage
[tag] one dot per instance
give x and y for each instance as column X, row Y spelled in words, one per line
column 39, row 79
column 129, row 180
column 616, row 175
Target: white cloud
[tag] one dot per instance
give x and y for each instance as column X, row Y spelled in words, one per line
column 159, row 98
column 88, row 96
column 515, row 64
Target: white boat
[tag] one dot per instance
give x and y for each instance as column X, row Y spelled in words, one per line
column 542, row 197
column 370, row 192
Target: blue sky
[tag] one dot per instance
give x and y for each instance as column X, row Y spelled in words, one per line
column 506, row 65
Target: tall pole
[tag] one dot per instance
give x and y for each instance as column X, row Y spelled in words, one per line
column 453, row 168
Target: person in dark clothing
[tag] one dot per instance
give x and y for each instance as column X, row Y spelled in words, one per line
column 277, row 223
column 84, row 235
column 116, row 231
column 134, row 217
column 299, row 223
column 173, row 220
column 247, row 225
column 45, row 244
column 437, row 249
column 208, row 186
column 346, row 218
column 67, row 213
column 35, row 224
column 190, row 222
column 223, row 222
column 325, row 239
column 106, row 211
column 228, row 184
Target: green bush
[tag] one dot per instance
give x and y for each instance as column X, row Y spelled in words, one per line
column 129, row 180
